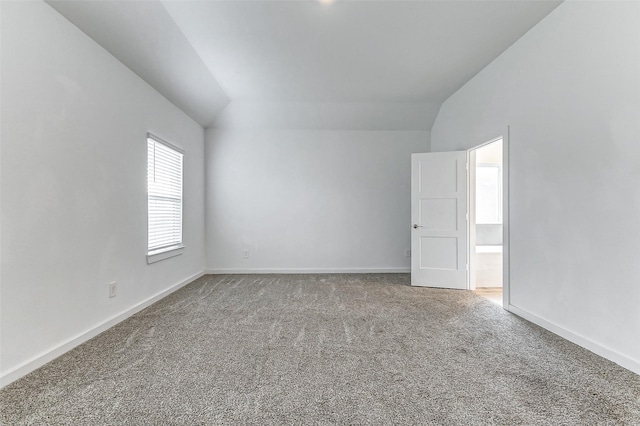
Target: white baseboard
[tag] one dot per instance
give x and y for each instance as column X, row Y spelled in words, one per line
column 598, row 349
column 51, row 354
column 217, row 271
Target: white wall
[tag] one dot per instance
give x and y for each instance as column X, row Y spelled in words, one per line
column 570, row 90
column 73, row 175
column 309, row 200
column 328, row 115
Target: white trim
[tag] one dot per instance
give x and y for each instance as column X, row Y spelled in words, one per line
column 165, row 253
column 309, row 271
column 164, row 142
column 598, row 349
column 506, row 219
column 471, row 237
column 51, row 354
column 471, row 219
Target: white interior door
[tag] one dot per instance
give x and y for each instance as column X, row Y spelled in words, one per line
column 439, row 219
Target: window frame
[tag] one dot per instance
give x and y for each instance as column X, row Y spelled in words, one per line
column 165, row 252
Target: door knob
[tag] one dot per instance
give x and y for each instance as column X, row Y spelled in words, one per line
column 415, row 226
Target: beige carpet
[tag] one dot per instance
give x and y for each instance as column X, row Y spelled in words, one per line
column 324, row 349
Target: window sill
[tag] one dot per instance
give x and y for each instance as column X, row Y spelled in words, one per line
column 489, row 249
column 165, row 253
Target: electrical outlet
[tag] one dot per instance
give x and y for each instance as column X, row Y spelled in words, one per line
column 407, row 253
column 245, row 253
column 112, row 290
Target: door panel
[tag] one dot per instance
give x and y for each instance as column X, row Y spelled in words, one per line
column 438, row 214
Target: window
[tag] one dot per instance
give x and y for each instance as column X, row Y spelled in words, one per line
column 488, row 194
column 164, row 189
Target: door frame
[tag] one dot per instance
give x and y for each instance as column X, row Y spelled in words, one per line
column 471, row 231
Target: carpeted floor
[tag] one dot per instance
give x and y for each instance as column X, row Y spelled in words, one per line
column 324, row 349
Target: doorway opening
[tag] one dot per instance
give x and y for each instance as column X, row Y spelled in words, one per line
column 486, row 206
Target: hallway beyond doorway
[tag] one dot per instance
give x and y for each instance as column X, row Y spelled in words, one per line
column 486, row 205
column 494, row 294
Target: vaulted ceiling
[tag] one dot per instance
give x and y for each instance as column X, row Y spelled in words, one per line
column 201, row 55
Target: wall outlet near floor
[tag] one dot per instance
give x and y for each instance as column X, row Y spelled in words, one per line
column 245, row 253
column 407, row 253
column 112, row 290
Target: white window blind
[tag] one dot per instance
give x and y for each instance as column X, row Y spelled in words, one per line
column 164, row 183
